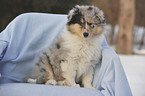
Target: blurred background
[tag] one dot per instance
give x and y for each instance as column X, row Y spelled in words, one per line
column 124, row 29
column 119, row 13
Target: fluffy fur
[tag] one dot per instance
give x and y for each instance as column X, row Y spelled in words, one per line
column 74, row 54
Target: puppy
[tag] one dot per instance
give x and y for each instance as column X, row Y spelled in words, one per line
column 74, row 54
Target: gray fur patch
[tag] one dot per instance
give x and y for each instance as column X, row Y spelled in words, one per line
column 88, row 12
column 54, row 56
column 57, row 55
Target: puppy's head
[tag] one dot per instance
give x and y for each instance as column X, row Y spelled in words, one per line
column 85, row 21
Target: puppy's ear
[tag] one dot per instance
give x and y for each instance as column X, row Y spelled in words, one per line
column 104, row 20
column 99, row 16
column 74, row 15
column 100, row 19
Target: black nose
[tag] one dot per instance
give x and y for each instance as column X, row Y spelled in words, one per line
column 86, row 34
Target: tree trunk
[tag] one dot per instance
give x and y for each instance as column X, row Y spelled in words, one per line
column 142, row 40
column 112, row 35
column 126, row 24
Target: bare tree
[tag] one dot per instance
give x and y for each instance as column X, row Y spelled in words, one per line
column 126, row 23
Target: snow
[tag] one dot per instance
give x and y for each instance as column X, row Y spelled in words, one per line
column 142, row 52
column 134, row 66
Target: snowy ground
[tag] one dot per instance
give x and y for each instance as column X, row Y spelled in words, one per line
column 134, row 66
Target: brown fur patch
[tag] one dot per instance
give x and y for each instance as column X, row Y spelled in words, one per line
column 98, row 30
column 82, row 20
column 75, row 29
column 89, row 20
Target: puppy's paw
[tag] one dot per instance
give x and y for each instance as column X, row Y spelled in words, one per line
column 64, row 83
column 30, row 80
column 51, row 82
column 76, row 85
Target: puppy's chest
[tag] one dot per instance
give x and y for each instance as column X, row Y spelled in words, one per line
column 82, row 52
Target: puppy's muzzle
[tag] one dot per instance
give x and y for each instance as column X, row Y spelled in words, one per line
column 86, row 34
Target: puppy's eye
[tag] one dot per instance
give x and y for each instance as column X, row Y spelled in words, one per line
column 91, row 25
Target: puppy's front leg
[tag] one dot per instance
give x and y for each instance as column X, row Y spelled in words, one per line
column 69, row 73
column 87, row 79
column 71, row 80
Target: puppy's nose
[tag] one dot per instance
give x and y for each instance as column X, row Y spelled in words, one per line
column 86, row 34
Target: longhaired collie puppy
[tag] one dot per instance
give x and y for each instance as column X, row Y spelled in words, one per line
column 75, row 52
